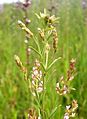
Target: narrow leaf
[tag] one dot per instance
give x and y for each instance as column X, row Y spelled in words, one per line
column 53, row 63
column 37, row 16
column 35, row 50
column 53, row 112
column 36, row 42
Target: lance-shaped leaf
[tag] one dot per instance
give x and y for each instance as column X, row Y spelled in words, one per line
column 53, row 112
column 35, row 51
column 53, row 63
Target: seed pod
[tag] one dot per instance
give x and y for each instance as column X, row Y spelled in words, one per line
column 20, row 65
column 32, row 114
column 41, row 33
column 55, row 40
column 71, row 70
column 18, row 61
column 23, row 26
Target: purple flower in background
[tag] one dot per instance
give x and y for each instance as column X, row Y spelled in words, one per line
column 26, row 3
column 23, row 4
column 84, row 4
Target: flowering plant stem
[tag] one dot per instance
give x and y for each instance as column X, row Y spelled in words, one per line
column 46, row 64
column 39, row 78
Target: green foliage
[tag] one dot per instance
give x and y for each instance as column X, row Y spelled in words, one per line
column 72, row 29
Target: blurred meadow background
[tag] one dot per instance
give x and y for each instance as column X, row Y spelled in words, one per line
column 72, row 35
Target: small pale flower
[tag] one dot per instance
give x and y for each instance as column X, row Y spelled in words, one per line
column 35, row 72
column 37, row 83
column 73, row 114
column 68, row 107
column 34, row 68
column 61, row 88
column 26, row 41
column 66, row 116
column 43, row 15
column 39, row 117
column 27, row 21
column 71, row 78
column 37, row 63
column 71, row 110
column 40, row 74
column 29, row 50
column 41, row 33
column 33, row 76
column 74, row 105
column 65, row 89
column 39, row 89
column 33, row 82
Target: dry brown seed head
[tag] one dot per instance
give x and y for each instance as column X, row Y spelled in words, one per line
column 23, row 26
column 41, row 33
column 55, row 39
column 18, row 61
column 20, row 65
column 72, row 64
column 74, row 104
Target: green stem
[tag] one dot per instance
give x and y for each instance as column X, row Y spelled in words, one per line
column 46, row 64
column 43, row 95
column 36, row 42
column 59, row 109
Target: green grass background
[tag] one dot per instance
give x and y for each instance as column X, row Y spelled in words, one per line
column 72, row 30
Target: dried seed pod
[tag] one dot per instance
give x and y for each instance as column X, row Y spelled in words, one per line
column 23, row 26
column 41, row 33
column 72, row 64
column 32, row 114
column 20, row 65
column 74, row 105
column 61, row 89
column 18, row 61
column 71, row 70
column 55, row 39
